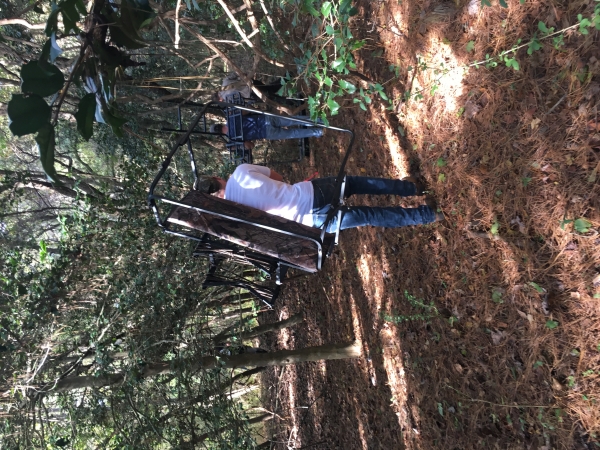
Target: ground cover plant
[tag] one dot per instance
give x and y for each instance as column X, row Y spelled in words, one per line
column 480, row 332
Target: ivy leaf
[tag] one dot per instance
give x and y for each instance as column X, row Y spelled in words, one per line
column 326, row 9
column 27, row 114
column 470, row 46
column 329, row 30
column 41, row 81
column 333, row 106
column 349, row 87
column 85, row 116
column 46, row 142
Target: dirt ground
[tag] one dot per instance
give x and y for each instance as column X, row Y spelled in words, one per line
column 509, row 356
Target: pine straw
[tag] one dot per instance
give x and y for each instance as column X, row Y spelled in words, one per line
column 521, row 163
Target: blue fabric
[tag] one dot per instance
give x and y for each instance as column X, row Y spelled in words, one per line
column 254, row 126
column 258, row 126
column 359, row 216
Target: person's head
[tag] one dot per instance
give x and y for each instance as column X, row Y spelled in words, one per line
column 219, row 128
column 216, row 187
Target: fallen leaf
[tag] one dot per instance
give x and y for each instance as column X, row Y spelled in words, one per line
column 522, row 314
column 593, row 125
column 556, row 385
column 534, row 123
column 502, row 325
column 497, row 336
column 363, row 170
column 471, row 109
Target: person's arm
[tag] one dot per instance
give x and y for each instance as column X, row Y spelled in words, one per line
column 275, row 176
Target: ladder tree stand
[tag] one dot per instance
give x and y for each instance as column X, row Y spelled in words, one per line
column 226, row 232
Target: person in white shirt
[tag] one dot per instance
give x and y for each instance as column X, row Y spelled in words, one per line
column 307, row 202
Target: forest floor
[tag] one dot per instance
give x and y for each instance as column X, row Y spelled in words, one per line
column 510, row 356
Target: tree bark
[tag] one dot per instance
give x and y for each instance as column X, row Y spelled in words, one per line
column 262, row 329
column 248, row 360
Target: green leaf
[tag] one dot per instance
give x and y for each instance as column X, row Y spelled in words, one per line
column 326, row 9
column 329, row 30
column 125, row 37
column 485, row 3
column 52, row 22
column 353, row 11
column 497, row 296
column 328, row 81
column 542, row 27
column 46, row 142
column 333, row 106
column 85, row 116
column 349, row 87
column 495, row 228
column 551, row 324
column 338, row 64
column 135, row 13
column 582, row 225
column 114, row 121
column 27, row 114
column 362, row 106
column 470, row 46
column 70, row 15
column 534, row 46
column 35, row 80
column 537, row 287
column 441, row 177
column 526, row 181
column 383, row 95
column 503, row 3
column 441, row 162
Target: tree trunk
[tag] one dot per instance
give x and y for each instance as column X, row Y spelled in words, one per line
column 279, row 358
column 262, row 329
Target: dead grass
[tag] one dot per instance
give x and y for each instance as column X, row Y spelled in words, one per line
column 522, row 157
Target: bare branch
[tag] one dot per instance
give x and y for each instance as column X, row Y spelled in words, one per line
column 36, row 26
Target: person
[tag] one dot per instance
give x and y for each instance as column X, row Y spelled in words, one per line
column 308, row 202
column 262, row 126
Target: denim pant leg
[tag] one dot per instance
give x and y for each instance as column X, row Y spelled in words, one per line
column 389, row 217
column 274, row 130
column 358, row 216
column 379, row 186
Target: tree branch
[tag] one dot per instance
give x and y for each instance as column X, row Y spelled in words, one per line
column 243, row 76
column 36, row 26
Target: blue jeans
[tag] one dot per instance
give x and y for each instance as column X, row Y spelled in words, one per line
column 360, row 216
column 296, row 130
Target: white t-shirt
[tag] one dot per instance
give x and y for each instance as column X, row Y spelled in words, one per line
column 250, row 185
